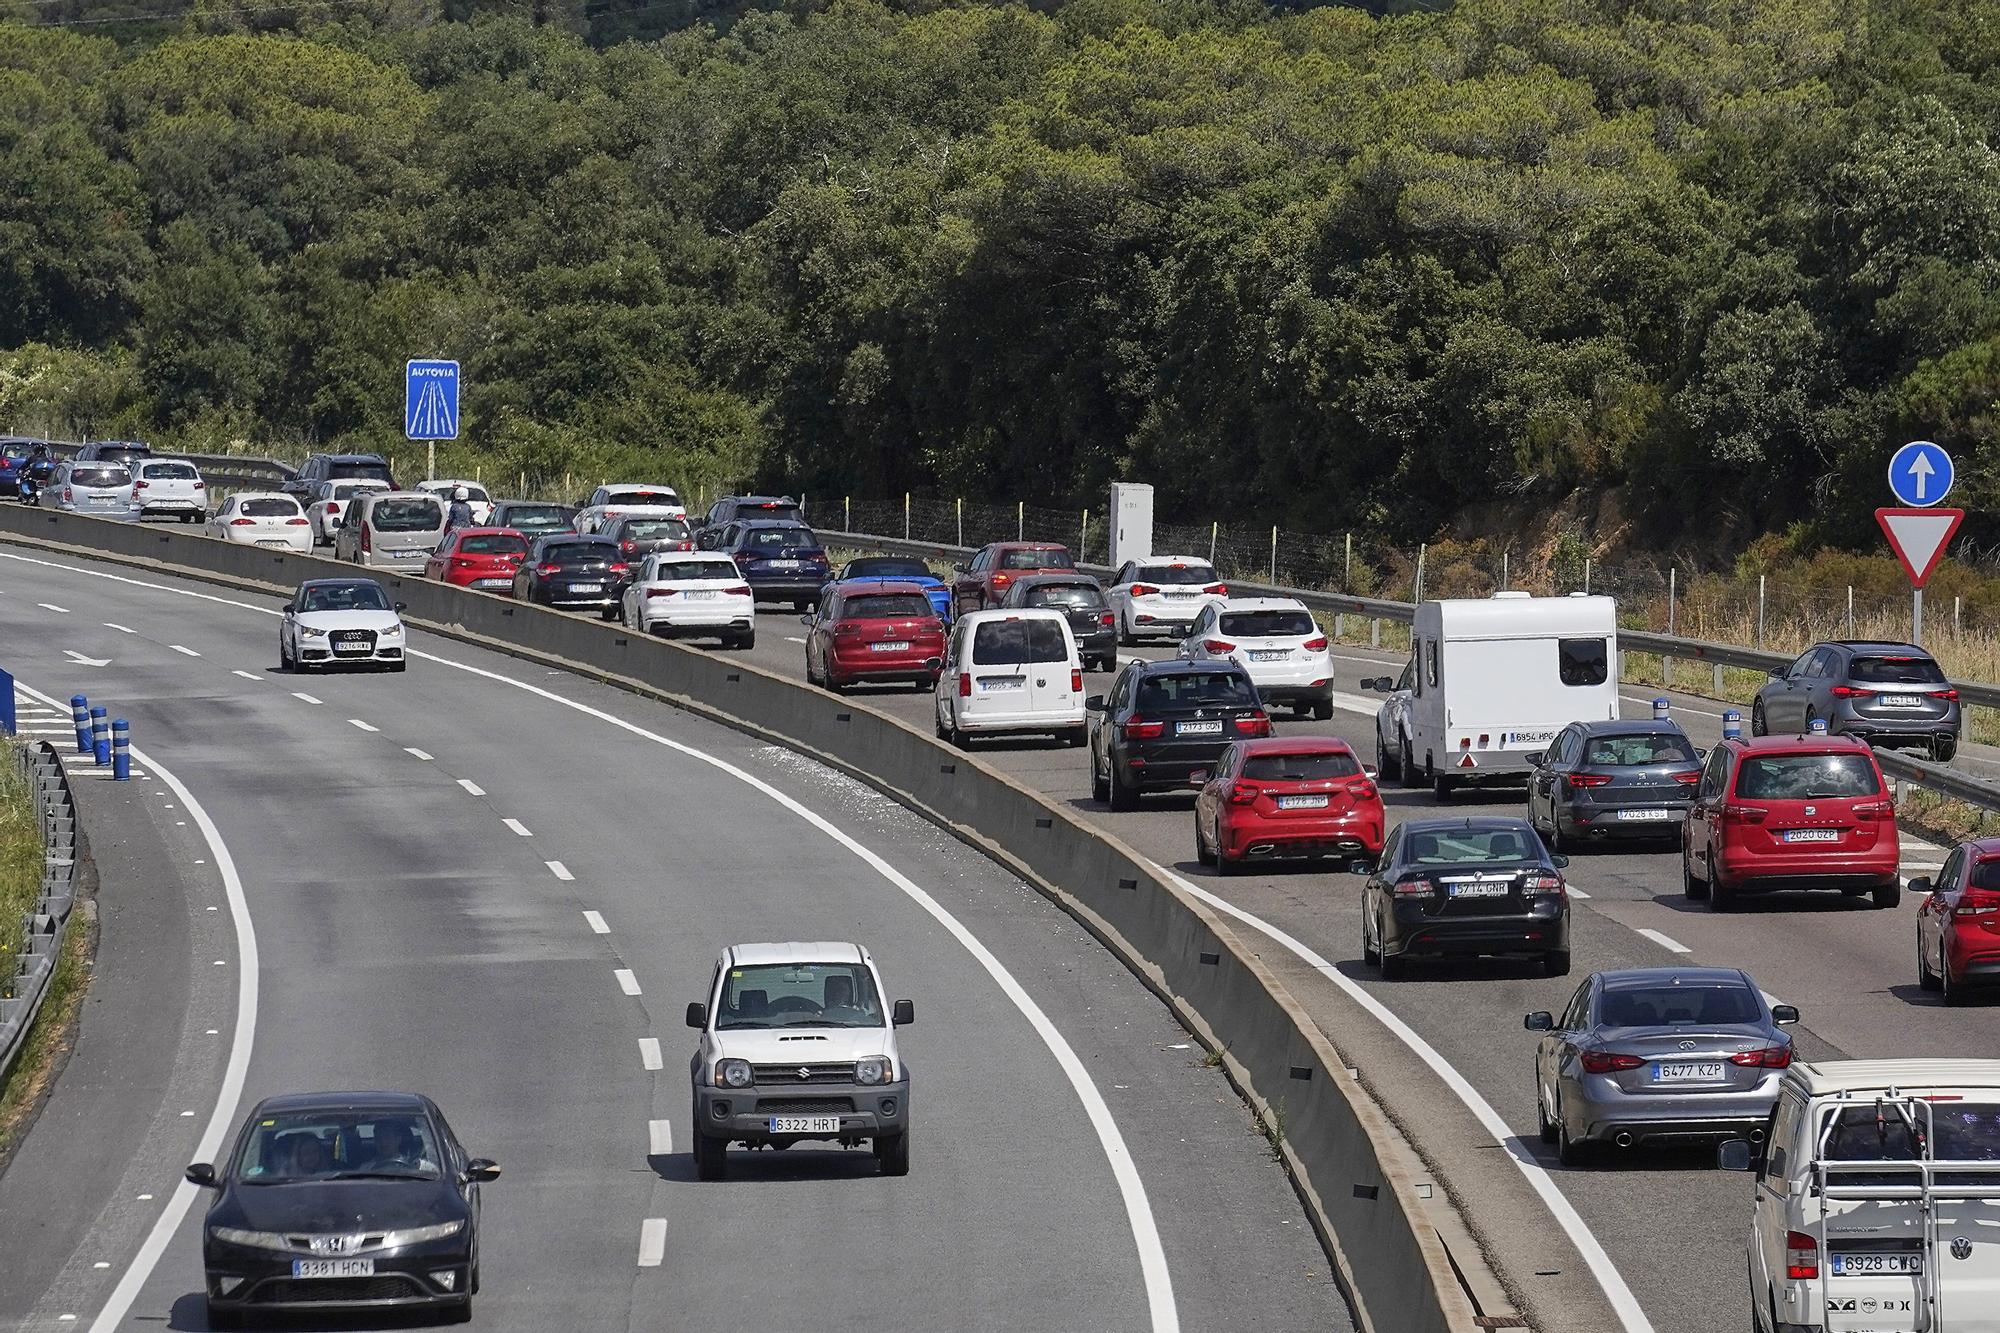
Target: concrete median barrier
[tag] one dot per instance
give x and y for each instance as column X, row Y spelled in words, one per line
column 1350, row 1166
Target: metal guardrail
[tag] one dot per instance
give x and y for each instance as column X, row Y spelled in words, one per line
column 29, row 973
column 229, row 468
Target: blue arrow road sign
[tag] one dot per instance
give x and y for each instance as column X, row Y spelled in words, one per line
column 430, row 400
column 1920, row 474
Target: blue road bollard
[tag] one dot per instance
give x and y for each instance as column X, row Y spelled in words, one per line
column 1660, row 707
column 100, row 736
column 121, row 750
column 79, row 711
column 1732, row 725
column 9, row 723
column 1817, row 726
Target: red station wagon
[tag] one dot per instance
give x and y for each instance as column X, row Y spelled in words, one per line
column 879, row 630
column 983, row 581
column 478, row 558
column 1284, row 797
column 1958, row 922
column 1791, row 812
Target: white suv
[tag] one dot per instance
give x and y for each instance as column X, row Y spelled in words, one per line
column 1159, row 597
column 1277, row 641
column 796, row 1044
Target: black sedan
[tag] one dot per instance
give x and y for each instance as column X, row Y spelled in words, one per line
column 1602, row 780
column 1081, row 600
column 1462, row 888
column 574, row 573
column 1165, row 721
column 342, row 1201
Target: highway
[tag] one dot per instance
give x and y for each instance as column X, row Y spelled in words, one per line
column 1671, row 1227
column 500, row 885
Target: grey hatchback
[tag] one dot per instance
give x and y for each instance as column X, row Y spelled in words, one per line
column 1659, row 1055
column 1888, row 694
column 1600, row 780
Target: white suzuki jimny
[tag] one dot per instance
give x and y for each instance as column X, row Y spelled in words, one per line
column 796, row 1044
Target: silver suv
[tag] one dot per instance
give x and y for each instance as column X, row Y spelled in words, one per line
column 1888, row 694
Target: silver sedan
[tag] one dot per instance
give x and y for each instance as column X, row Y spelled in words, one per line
column 1659, row 1055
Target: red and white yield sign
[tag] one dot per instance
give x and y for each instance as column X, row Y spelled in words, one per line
column 1919, row 537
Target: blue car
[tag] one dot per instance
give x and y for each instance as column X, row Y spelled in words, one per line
column 903, row 569
column 14, row 455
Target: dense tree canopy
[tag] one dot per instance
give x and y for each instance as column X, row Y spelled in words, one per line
column 1318, row 266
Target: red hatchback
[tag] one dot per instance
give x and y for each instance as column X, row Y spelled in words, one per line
column 983, row 581
column 1287, row 797
column 483, row 558
column 1958, row 922
column 1791, row 812
column 874, row 630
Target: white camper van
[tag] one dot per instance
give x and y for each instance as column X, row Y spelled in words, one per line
column 1490, row 682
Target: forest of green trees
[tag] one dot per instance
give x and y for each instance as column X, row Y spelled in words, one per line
column 1316, row 267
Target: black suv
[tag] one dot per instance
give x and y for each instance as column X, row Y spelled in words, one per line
column 126, row 452
column 1163, row 721
column 782, row 560
column 338, row 467
column 731, row 508
column 1888, row 694
column 1081, row 600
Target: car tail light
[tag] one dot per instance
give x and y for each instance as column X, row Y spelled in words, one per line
column 1688, row 778
column 1105, row 618
column 333, row 506
column 661, row 592
column 1243, row 793
column 1002, row 580
column 1576, row 780
column 1946, row 694
column 1608, row 1062
column 683, row 546
column 1218, row 645
column 138, row 485
column 1748, row 814
column 740, row 590
column 628, row 546
column 1764, row 1057
column 1143, row 590
column 620, row 567
column 1977, row 902
column 1415, row 888
column 1219, row 589
column 299, row 522
column 1801, row 1257
column 846, row 629
column 964, row 686
column 1849, row 692
column 1544, row 884
column 460, row 562
column 367, row 540
column 242, row 522
column 201, row 485
column 1076, row 682
column 66, row 493
column 1140, row 730
column 1315, row 644
column 1363, row 790
column 546, row 571
column 1257, row 724
column 1873, row 810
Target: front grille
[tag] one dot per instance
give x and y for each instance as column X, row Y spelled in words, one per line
column 350, row 638
column 386, row 1287
column 803, row 1073
column 804, row 1105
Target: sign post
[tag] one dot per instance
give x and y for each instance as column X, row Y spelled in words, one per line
column 430, row 406
column 1920, row 476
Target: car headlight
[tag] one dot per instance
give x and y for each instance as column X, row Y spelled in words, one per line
column 733, row 1073
column 418, row 1235
column 260, row 1240
column 872, row 1069
column 393, row 632
column 307, row 631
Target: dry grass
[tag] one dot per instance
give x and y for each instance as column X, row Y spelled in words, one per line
column 21, row 853
column 54, row 1033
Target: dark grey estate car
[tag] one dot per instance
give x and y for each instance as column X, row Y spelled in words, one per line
column 1888, row 694
column 1081, row 600
column 1620, row 779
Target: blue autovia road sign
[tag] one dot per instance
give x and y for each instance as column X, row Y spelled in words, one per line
column 430, row 400
column 1920, row 474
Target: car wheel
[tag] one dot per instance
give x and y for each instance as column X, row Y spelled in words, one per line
column 1202, row 854
column 1076, row 737
column 711, row 1157
column 217, row 1316
column 1555, row 963
column 1888, row 895
column 1721, row 898
column 927, row 684
column 1694, row 890
column 459, row 1313
column 1394, row 966
column 1226, row 864
column 1126, row 638
column 1570, row 1152
column 1371, row 953
column 1553, row 839
column 1100, row 787
column 1123, row 797
column 1322, row 710
column 1943, row 748
column 399, row 665
column 1542, row 1125
column 284, row 655
column 938, row 725
column 1383, row 768
column 1406, row 764
column 1926, row 979
column 1954, row 995
column 1757, row 718
column 893, row 1152
column 1441, row 787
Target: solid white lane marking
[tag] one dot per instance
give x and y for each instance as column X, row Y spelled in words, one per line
column 595, row 920
column 413, row 750
column 626, row 981
column 559, row 870
column 247, row 675
column 120, row 628
column 1631, row 1318
column 660, row 1137
column 652, row 1242
column 182, row 648
column 1575, row 892
column 518, row 827
column 471, row 787
column 51, row 606
column 300, row 694
column 649, row 1052
column 1667, row 942
column 357, row 722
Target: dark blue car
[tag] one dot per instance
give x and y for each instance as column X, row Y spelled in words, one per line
column 903, row 569
column 782, row 560
column 14, row 455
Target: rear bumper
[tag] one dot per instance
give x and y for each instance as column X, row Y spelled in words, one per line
column 1410, row 933
column 1597, row 1108
column 1263, row 840
column 802, row 589
column 1066, row 718
column 887, row 666
column 1774, row 874
column 1600, row 821
column 683, row 621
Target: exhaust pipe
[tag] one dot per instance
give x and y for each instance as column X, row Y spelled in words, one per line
column 933, row 663
column 1756, row 1136
column 1624, row 1139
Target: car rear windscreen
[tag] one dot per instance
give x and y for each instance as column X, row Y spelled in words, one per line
column 1081, row 596
column 1471, row 847
column 1196, row 689
column 1896, row 671
column 1669, row 1006
column 886, row 567
column 407, row 515
column 1011, row 642
column 1806, row 777
column 669, row 570
column 579, row 553
column 1178, row 575
column 888, row 606
column 1637, row 751
column 370, row 471
column 349, row 491
column 771, row 509
column 779, row 539
column 1300, row 767
column 86, row 474
column 1054, row 559
column 271, row 507
column 1268, row 624
column 493, row 543
column 655, row 530
column 648, row 496
column 1959, row 1132
column 167, row 472
column 536, row 516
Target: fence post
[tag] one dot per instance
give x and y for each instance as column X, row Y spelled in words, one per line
column 1760, row 610
column 961, row 520
column 1417, row 588
column 1375, row 632
column 121, row 750
column 1667, row 663
column 1850, row 610
column 847, row 513
column 1503, row 571
column 1214, row 528
column 100, row 736
column 1083, row 537
column 1274, row 553
column 79, row 711
column 906, row 515
column 1957, row 625
column 1347, row 566
column 1718, row 680
column 1586, row 576
column 1020, row 520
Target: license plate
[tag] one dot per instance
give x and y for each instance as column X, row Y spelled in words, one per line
column 1897, row 701
column 1687, row 1071
column 1302, row 802
column 1512, row 738
column 333, row 1268
column 493, row 583
column 586, row 587
column 782, row 564
column 805, row 1124
column 1270, row 655
column 701, row 595
column 1811, row 835
column 1648, row 816
column 899, row 646
column 1198, row 728
column 1179, row 596
column 272, row 541
column 1478, row 890
column 351, row 648
column 105, row 500
column 1002, row 683
column 1859, row 1265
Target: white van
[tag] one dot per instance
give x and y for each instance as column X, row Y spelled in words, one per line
column 1492, row 681
column 1877, row 1202
column 1011, row 671
column 390, row 530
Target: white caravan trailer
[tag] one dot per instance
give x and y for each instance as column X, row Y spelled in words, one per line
column 1490, row 682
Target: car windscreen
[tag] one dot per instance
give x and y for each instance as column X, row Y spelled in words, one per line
column 493, row 543
column 1669, row 1006
column 1806, row 777
column 1470, row 847
column 1958, row 1131
column 90, row 474
column 167, row 472
column 1896, row 671
column 1300, row 767
column 535, row 517
column 888, row 606
column 1637, row 751
column 655, row 529
column 695, row 570
column 302, row 1146
column 781, row 995
column 886, row 567
column 1007, row 642
column 271, row 507
column 1051, row 559
column 1268, row 624
column 779, row 539
column 579, row 553
column 346, row 597
column 1195, row 689
column 1081, row 596
column 1178, row 575
column 370, row 471
column 407, row 516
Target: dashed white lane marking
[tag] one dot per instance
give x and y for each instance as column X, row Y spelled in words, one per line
column 595, row 920
column 247, row 675
column 660, row 1136
column 1667, row 942
column 649, row 1052
column 51, row 606
column 792, row 638
column 1575, row 892
column 413, row 750
column 559, row 870
column 626, row 981
column 122, row 629
column 301, row 694
column 357, row 722
column 518, row 827
column 183, row 649
column 652, row 1242
column 472, row 788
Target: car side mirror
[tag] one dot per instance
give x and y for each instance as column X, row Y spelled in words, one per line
column 402, row 606
column 1368, row 771
column 1370, row 683
column 697, row 1015
column 805, row 620
column 904, row 1014
column 1701, row 752
column 1198, row 779
column 1776, row 673
column 1361, row 866
column 1784, row 1013
column 1919, row 885
column 480, row 1169
column 202, row 1174
column 1733, row 1155
column 1094, row 704
column 960, row 569
column 1534, row 758
column 1559, row 861
column 1540, row 1021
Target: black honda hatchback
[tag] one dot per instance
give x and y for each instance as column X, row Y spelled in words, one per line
column 342, row 1201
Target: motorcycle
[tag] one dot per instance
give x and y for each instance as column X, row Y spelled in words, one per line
column 33, row 477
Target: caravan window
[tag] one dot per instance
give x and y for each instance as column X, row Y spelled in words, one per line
column 1431, row 662
column 1582, row 661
